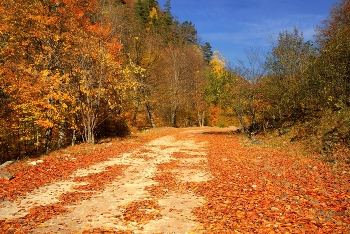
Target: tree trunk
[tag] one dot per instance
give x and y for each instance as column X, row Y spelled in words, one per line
column 201, row 116
column 48, row 138
column 173, row 117
column 61, row 135
column 73, row 138
column 134, row 119
column 48, row 133
column 90, row 136
column 37, row 142
column 150, row 115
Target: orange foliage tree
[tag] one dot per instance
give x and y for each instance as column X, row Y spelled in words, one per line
column 58, row 59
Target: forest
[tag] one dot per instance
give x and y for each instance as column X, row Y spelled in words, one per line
column 75, row 71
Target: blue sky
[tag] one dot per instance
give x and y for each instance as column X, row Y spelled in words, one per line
column 233, row 26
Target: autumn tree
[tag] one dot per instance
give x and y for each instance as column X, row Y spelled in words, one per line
column 45, row 70
column 183, row 80
column 331, row 70
column 97, row 51
column 220, row 85
column 288, row 59
column 236, row 90
column 141, row 51
column 65, row 75
column 249, row 98
column 24, row 59
column 142, row 59
column 182, row 64
column 159, row 49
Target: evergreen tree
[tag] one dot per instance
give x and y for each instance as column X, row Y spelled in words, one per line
column 188, row 32
column 143, row 9
column 207, row 52
column 166, row 20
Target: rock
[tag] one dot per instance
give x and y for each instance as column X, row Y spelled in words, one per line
column 274, row 209
column 331, row 160
column 6, row 175
column 283, row 131
column 327, row 145
column 5, row 164
column 256, row 142
column 35, row 163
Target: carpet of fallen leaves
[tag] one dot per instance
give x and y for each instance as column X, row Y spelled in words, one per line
column 60, row 165
column 258, row 189
column 254, row 189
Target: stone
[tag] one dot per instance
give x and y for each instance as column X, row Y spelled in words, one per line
column 6, row 175
column 256, row 142
column 35, row 163
column 5, row 164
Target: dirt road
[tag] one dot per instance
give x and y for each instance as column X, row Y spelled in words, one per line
column 107, row 209
column 184, row 182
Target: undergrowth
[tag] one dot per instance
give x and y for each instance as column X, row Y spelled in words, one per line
column 325, row 136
